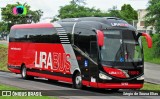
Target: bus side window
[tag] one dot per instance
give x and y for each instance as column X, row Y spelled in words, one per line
column 21, row 35
column 93, row 50
column 12, row 35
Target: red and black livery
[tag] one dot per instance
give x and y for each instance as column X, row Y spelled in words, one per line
column 100, row 52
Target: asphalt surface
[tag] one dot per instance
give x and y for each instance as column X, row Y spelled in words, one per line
column 152, row 72
column 43, row 84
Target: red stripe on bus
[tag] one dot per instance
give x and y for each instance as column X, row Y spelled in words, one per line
column 85, row 83
column 50, row 76
column 15, row 70
column 112, row 85
column 39, row 25
column 119, row 85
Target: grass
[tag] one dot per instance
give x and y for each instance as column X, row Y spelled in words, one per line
column 6, row 87
column 3, row 57
column 149, row 52
column 148, row 86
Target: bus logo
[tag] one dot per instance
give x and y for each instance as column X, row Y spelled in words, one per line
column 54, row 61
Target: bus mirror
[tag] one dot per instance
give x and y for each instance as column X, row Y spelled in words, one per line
column 100, row 38
column 148, row 39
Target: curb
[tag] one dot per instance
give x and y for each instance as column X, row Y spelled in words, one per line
column 5, row 71
column 151, row 82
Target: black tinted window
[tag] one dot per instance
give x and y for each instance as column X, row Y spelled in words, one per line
column 38, row 35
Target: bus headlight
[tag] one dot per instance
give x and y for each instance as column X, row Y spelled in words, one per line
column 103, row 76
column 141, row 77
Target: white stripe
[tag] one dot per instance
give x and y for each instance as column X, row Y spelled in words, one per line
column 65, row 42
column 63, row 38
column 62, row 34
column 72, row 39
column 61, row 30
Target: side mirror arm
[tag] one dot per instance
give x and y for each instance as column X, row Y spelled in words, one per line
column 148, row 38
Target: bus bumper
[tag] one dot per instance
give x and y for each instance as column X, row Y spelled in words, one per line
column 119, row 85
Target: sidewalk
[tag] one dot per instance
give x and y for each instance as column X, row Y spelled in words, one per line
column 4, row 42
column 152, row 72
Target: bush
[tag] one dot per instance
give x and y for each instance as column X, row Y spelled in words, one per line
column 156, row 45
column 152, row 54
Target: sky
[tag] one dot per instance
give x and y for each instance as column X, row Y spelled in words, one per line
column 51, row 7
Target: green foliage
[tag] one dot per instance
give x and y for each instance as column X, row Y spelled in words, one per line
column 114, row 12
column 78, row 2
column 11, row 19
column 3, row 57
column 149, row 86
column 156, row 47
column 152, row 17
column 128, row 13
column 77, row 9
column 3, row 27
column 152, row 54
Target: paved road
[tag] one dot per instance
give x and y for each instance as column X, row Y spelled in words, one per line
column 39, row 84
column 4, row 42
column 152, row 72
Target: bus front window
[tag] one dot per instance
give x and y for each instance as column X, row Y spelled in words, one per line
column 121, row 46
column 132, row 51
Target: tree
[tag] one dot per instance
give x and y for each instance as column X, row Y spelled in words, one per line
column 74, row 10
column 3, row 27
column 11, row 19
column 128, row 13
column 55, row 18
column 78, row 2
column 114, row 12
column 152, row 18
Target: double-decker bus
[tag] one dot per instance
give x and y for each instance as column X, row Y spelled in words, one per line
column 99, row 52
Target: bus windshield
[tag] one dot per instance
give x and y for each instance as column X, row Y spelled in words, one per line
column 121, row 46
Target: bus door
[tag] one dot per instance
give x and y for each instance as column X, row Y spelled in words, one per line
column 93, row 67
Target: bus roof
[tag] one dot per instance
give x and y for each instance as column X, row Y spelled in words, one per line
column 39, row 25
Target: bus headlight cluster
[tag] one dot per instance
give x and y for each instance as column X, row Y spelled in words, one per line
column 141, row 77
column 103, row 76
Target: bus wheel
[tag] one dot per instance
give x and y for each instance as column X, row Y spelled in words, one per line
column 77, row 83
column 24, row 73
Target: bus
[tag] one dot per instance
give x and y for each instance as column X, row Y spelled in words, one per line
column 99, row 52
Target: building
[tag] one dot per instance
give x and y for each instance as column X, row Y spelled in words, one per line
column 140, row 25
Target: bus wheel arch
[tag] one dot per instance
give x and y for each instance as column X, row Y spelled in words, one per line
column 77, row 79
column 24, row 72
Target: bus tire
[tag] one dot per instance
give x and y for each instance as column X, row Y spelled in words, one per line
column 77, row 81
column 24, row 73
